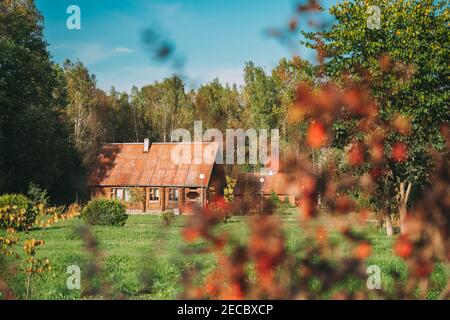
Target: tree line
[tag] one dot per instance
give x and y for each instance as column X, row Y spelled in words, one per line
column 54, row 117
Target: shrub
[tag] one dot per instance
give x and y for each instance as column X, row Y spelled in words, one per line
column 274, row 200
column 37, row 194
column 286, row 203
column 221, row 209
column 17, row 212
column 168, row 217
column 285, row 207
column 105, row 212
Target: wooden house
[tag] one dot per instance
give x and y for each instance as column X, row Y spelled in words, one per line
column 126, row 169
column 251, row 186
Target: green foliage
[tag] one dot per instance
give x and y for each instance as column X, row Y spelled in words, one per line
column 285, row 207
column 287, row 76
column 406, row 67
column 343, row 132
column 282, row 207
column 105, row 212
column 37, row 194
column 82, row 109
column 285, row 210
column 361, row 200
column 209, row 103
column 17, row 212
column 274, row 200
column 168, row 217
column 218, row 106
column 286, row 203
column 34, row 141
column 262, row 101
column 159, row 108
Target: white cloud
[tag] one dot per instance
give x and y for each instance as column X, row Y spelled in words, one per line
column 124, row 50
column 91, row 53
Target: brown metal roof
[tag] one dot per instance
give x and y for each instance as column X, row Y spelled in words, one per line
column 128, row 165
column 250, row 182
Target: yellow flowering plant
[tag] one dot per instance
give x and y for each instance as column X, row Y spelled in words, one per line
column 30, row 264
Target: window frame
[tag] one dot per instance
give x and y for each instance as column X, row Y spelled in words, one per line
column 153, row 195
column 193, row 191
column 116, row 195
column 174, row 194
column 127, row 195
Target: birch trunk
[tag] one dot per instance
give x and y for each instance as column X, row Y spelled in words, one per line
column 403, row 197
column 388, row 224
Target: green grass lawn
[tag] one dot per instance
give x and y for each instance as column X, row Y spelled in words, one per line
column 145, row 247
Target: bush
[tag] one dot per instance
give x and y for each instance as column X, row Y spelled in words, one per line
column 17, row 212
column 286, row 204
column 274, row 200
column 168, row 217
column 37, row 194
column 105, row 212
column 285, row 207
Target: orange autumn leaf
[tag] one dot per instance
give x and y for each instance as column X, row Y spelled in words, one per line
column 355, row 156
column 190, row 235
column 363, row 251
column 321, row 234
column 399, row 152
column 377, row 152
column 357, row 101
column 344, row 204
column 364, row 215
column 307, row 208
column 423, row 269
column 376, row 173
column 402, row 124
column 316, row 135
column 233, row 292
column 385, row 62
column 403, row 247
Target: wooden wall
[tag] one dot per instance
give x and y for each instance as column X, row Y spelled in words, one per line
column 184, row 203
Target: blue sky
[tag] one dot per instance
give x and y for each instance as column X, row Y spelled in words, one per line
column 214, row 37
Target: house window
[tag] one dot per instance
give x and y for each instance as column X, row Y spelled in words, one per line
column 173, row 194
column 192, row 195
column 118, row 193
column 153, row 194
column 127, row 195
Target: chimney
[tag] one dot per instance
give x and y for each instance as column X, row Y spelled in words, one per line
column 146, row 145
